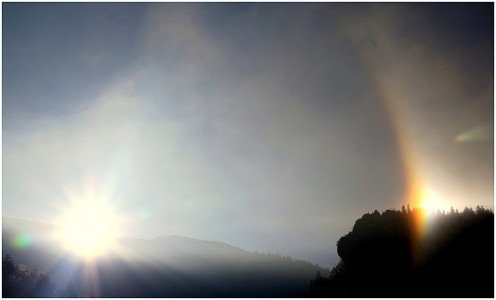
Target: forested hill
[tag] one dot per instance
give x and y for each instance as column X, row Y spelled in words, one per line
column 406, row 254
column 169, row 266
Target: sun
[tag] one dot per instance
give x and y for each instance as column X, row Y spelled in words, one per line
column 430, row 202
column 88, row 228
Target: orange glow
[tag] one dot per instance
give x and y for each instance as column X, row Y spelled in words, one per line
column 416, row 194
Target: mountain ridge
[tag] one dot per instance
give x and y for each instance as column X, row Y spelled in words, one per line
column 167, row 266
column 10, row 222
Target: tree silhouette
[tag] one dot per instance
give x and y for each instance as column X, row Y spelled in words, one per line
column 18, row 281
column 390, row 255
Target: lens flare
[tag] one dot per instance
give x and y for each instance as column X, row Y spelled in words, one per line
column 22, row 241
column 144, row 213
column 483, row 132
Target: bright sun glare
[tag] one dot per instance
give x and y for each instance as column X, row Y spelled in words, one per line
column 88, row 228
column 431, row 202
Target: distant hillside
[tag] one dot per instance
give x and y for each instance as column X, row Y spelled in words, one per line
column 169, row 266
column 174, row 245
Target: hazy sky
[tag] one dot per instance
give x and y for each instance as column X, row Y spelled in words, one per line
column 271, row 127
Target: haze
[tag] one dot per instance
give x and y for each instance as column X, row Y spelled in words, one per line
column 271, row 127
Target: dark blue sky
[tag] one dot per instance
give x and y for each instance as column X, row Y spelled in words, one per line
column 74, row 44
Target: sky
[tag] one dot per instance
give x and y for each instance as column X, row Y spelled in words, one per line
column 271, row 127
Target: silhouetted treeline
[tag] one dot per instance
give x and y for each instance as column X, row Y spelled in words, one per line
column 407, row 254
column 19, row 281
